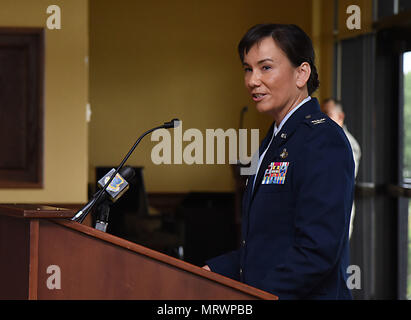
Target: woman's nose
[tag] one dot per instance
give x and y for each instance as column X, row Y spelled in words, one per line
column 254, row 80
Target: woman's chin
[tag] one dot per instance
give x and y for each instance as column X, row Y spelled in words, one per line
column 263, row 107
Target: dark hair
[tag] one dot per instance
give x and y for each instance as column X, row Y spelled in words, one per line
column 291, row 39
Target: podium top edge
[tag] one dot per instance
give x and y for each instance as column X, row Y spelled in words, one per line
column 35, row 211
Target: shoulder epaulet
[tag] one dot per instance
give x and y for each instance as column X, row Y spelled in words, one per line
column 314, row 120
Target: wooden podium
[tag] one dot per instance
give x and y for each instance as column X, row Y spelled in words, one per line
column 95, row 265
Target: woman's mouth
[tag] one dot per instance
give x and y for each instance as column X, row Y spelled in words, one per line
column 258, row 96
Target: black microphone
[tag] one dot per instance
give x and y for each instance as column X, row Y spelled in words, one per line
column 172, row 124
column 114, row 191
column 243, row 110
column 79, row 217
column 119, row 185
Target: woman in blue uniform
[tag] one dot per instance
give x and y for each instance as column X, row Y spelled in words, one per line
column 296, row 208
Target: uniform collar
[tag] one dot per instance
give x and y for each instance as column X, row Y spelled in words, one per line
column 289, row 114
column 304, row 112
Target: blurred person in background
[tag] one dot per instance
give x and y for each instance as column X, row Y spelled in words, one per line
column 333, row 109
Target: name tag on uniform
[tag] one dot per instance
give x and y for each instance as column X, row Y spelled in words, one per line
column 276, row 172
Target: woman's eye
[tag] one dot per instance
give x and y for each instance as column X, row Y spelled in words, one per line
column 247, row 70
column 266, row 67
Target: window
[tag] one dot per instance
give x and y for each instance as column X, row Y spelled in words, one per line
column 409, row 254
column 407, row 117
column 406, row 172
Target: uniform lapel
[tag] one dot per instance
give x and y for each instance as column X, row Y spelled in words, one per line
column 263, row 146
column 288, row 129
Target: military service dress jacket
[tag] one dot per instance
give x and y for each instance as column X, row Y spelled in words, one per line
column 296, row 219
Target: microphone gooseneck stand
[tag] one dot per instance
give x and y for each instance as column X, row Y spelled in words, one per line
column 81, row 215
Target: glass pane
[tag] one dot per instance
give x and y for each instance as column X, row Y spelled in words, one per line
column 407, row 152
column 407, row 117
column 404, row 5
column 385, row 8
column 409, row 253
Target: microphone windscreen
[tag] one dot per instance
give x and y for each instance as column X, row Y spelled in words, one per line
column 176, row 123
column 172, row 124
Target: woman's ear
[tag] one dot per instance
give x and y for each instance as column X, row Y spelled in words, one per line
column 303, row 74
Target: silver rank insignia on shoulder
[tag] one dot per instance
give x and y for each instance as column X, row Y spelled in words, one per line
column 318, row 121
column 284, row 154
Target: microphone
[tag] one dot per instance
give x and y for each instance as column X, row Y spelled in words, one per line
column 243, row 110
column 79, row 217
column 172, row 124
column 114, row 191
column 119, row 185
